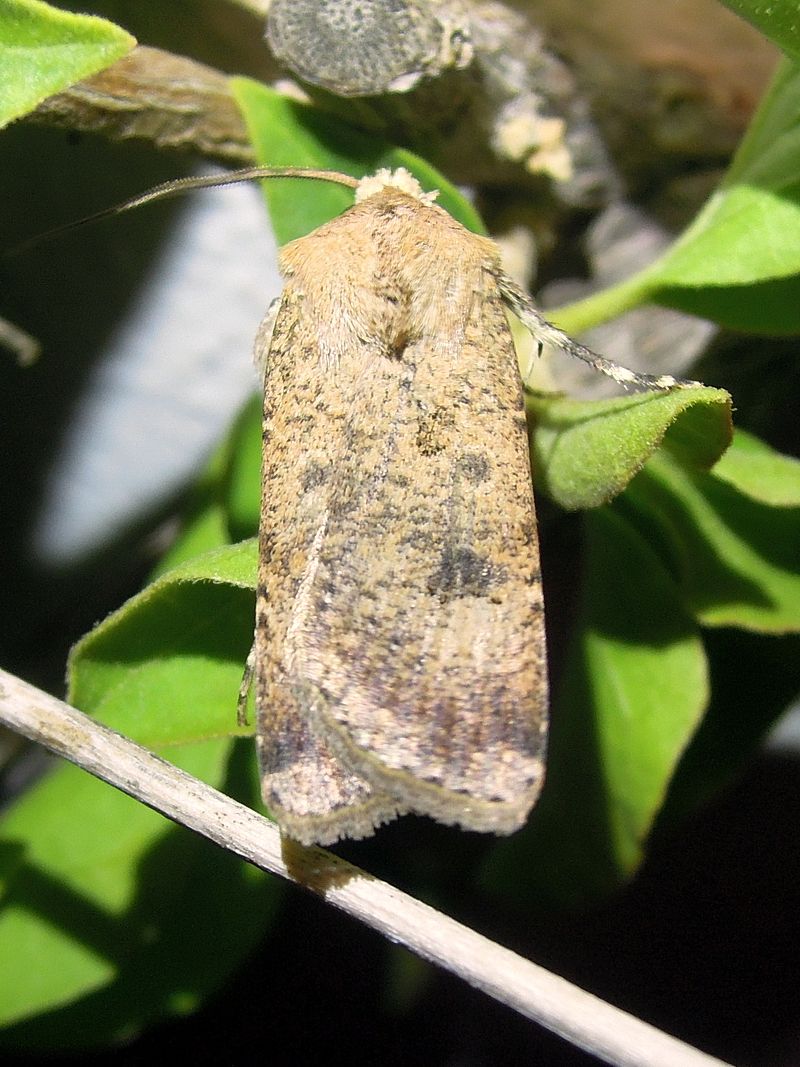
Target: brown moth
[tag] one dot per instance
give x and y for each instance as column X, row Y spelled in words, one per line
column 399, row 653
column 399, row 649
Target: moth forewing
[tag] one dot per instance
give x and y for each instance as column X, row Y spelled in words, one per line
column 400, row 658
column 308, row 791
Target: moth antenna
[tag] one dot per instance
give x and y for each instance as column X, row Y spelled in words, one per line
column 518, row 301
column 183, row 185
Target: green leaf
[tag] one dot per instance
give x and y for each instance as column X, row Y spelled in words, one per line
column 634, row 691
column 769, row 154
column 760, row 472
column 100, row 886
column 770, row 307
column 202, row 531
column 165, row 668
column 285, row 133
column 739, row 261
column 43, row 50
column 111, row 918
column 585, row 452
column 735, row 558
column 776, row 19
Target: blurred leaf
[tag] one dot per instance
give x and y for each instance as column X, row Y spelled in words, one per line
column 243, row 486
column 754, row 679
column 770, row 307
column 205, row 524
column 585, row 452
column 735, row 558
column 43, row 50
column 633, row 693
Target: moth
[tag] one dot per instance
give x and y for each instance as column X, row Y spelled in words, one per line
column 399, row 644
column 399, row 653
column 399, row 656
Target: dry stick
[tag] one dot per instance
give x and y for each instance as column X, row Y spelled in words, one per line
column 609, row 1033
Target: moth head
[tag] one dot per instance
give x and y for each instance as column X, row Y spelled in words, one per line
column 393, row 179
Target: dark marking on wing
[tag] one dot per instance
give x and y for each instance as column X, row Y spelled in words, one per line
column 314, row 475
column 463, row 572
column 474, row 467
column 433, row 429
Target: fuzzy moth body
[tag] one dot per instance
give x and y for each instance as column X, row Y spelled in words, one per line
column 399, row 648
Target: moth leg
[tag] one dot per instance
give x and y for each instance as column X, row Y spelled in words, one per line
column 244, row 688
column 518, row 301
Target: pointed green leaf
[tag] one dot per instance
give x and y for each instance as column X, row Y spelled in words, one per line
column 43, row 50
column 585, row 452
